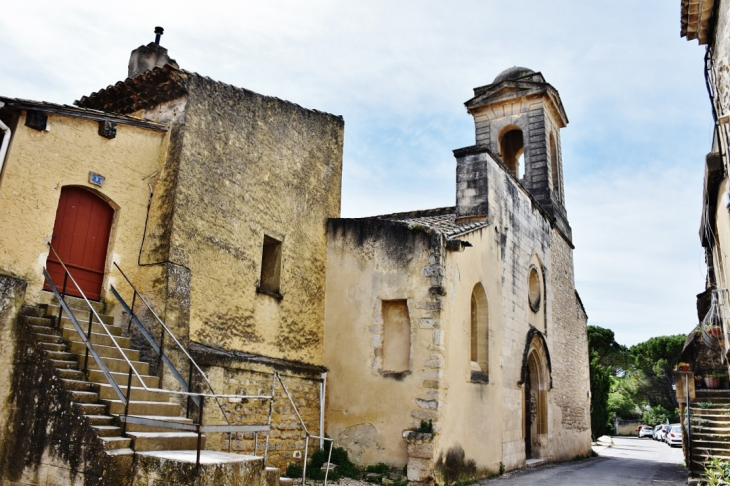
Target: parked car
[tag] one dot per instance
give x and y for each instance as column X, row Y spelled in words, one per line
column 662, row 436
column 646, row 431
column 657, row 429
column 674, row 437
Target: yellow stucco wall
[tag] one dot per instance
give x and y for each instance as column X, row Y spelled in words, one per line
column 367, row 410
column 40, row 163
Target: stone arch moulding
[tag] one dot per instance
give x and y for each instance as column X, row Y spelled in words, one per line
column 536, row 343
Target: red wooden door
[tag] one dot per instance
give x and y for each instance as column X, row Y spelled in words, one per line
column 81, row 238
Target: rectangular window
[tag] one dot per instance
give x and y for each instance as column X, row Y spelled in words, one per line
column 270, row 266
column 396, row 336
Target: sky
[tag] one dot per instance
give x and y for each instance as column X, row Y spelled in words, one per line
column 399, row 73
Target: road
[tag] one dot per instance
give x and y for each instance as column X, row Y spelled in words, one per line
column 629, row 461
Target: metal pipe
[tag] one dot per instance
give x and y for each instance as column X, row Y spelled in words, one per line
column 6, row 141
column 126, row 405
column 200, row 432
column 322, row 392
column 304, row 466
column 689, row 425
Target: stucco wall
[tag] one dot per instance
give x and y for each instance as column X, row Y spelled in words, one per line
column 249, row 166
column 367, row 410
column 40, row 163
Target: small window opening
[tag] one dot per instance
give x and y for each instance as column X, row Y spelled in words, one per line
column 270, row 266
column 554, row 168
column 396, row 336
column 479, row 335
column 534, row 290
column 513, row 149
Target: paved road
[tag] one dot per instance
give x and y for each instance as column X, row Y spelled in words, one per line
column 629, row 462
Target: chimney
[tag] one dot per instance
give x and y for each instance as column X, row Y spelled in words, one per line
column 149, row 57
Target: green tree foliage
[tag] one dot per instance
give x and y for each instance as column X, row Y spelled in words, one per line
column 660, row 415
column 654, row 362
column 600, row 387
column 612, row 355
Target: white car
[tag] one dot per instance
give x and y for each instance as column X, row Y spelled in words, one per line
column 674, row 437
column 657, row 429
column 646, row 431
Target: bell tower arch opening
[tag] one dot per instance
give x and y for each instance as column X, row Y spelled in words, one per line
column 512, row 150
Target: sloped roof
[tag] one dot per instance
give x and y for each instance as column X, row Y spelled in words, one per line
column 696, row 15
column 442, row 220
column 79, row 112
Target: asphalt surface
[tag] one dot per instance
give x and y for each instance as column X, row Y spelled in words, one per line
column 622, row 461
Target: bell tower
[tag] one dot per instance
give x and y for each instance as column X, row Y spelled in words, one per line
column 518, row 118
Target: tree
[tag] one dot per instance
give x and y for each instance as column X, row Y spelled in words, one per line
column 655, row 360
column 612, row 355
column 600, row 387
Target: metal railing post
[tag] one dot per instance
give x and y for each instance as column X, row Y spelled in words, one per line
column 159, row 357
column 88, row 335
column 63, row 297
column 131, row 314
column 329, row 460
column 200, row 425
column 126, row 405
column 190, row 390
column 689, row 425
column 306, row 454
column 271, row 411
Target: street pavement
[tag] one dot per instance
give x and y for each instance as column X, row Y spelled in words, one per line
column 622, row 461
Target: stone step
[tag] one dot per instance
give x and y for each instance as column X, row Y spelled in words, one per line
column 97, row 376
column 109, row 351
column 91, row 408
column 32, row 310
column 71, row 302
column 44, row 330
column 53, row 346
column 49, row 338
column 710, row 444
column 100, row 420
column 97, row 328
column 114, row 364
column 65, row 364
column 96, row 338
column 37, row 321
column 116, row 442
column 80, row 315
column 719, row 411
column 138, row 393
column 147, row 428
column 68, row 374
column 120, row 452
column 60, row 355
column 272, row 475
column 107, row 430
column 165, row 441
column 286, row 481
column 78, row 385
column 83, row 396
column 144, row 408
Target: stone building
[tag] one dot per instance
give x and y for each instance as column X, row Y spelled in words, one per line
column 465, row 318
column 706, row 349
column 213, row 200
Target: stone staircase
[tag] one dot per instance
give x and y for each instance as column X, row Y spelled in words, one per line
column 710, row 418
column 90, row 391
column 157, row 452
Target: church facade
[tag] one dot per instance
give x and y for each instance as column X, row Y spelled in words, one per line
column 465, row 320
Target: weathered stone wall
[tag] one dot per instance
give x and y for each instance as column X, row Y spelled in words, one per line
column 568, row 342
column 251, row 165
column 231, row 373
column 722, row 61
column 40, row 163
column 368, row 408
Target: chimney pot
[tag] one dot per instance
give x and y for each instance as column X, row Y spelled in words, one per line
column 158, row 33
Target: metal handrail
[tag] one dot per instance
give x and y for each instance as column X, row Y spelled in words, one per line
column 84, row 338
column 172, row 335
column 95, row 314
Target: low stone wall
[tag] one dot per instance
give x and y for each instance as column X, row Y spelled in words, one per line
column 627, row 427
column 237, row 373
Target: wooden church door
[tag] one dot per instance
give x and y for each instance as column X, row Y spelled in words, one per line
column 81, row 238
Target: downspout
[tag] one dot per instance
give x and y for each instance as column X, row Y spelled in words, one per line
column 6, row 141
column 322, row 391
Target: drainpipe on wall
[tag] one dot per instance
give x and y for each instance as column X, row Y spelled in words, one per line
column 322, row 391
column 6, row 141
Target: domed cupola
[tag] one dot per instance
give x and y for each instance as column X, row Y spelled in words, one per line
column 515, row 72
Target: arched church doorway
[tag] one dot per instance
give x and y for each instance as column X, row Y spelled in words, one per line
column 536, row 382
column 81, row 238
